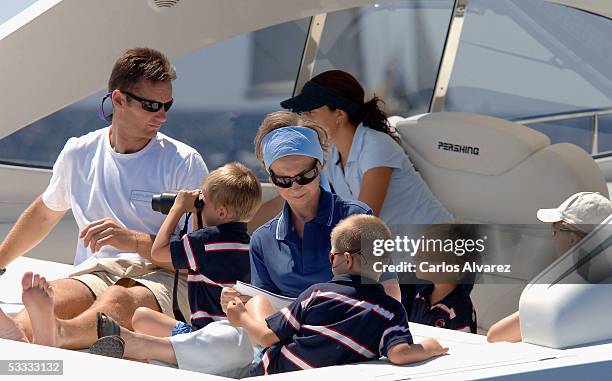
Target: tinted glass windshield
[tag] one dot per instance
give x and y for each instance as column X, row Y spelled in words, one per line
column 393, row 48
column 221, row 95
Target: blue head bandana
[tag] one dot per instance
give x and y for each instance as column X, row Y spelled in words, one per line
column 292, row 140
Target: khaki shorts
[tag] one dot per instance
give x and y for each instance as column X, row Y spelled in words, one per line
column 102, row 274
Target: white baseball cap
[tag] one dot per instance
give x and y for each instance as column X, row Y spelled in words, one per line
column 583, row 209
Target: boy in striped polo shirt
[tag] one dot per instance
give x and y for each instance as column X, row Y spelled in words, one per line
column 326, row 324
column 443, row 297
column 215, row 256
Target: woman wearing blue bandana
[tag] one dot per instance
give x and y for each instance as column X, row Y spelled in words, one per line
column 289, row 253
column 366, row 161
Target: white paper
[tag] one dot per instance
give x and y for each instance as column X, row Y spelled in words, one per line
column 278, row 301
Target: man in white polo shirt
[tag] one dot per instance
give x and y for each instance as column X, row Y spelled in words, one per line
column 107, row 178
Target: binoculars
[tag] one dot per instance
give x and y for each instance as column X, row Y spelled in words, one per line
column 163, row 202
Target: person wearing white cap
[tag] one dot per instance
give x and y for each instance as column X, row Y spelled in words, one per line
column 573, row 220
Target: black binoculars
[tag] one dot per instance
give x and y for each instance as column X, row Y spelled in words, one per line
column 163, row 202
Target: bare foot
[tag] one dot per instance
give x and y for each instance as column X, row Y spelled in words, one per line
column 9, row 330
column 37, row 298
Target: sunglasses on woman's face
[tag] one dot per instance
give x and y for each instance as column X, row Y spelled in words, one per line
column 303, row 178
column 149, row 105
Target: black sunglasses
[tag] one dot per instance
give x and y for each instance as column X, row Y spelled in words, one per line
column 303, row 178
column 357, row 252
column 149, row 105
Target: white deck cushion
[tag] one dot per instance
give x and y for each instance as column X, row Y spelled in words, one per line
column 489, row 170
column 506, row 172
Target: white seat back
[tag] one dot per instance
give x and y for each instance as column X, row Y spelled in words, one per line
column 489, row 170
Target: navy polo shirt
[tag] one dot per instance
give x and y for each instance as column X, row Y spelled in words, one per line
column 283, row 263
column 216, row 257
column 454, row 311
column 325, row 326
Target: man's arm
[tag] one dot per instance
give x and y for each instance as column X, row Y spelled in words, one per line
column 404, row 353
column 32, row 227
column 107, row 231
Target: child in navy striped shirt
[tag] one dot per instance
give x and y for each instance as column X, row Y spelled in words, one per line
column 215, row 256
column 325, row 325
column 443, row 299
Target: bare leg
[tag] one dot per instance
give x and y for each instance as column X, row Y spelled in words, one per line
column 150, row 322
column 117, row 302
column 71, row 297
column 38, row 300
column 9, row 330
column 145, row 347
column 259, row 308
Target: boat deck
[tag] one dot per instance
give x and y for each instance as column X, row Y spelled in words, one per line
column 469, row 357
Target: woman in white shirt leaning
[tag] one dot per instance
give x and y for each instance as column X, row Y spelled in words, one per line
column 366, row 161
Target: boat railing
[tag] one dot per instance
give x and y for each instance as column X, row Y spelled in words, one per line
column 594, row 116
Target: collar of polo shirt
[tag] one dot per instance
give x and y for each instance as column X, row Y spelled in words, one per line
column 356, row 147
column 325, row 215
column 358, row 279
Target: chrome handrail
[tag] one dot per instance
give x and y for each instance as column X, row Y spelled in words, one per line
column 564, row 116
column 593, row 114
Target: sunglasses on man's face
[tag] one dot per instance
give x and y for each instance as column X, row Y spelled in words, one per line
column 303, row 178
column 149, row 105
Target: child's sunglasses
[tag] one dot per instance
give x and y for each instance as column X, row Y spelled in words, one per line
column 149, row 105
column 303, row 178
column 356, row 252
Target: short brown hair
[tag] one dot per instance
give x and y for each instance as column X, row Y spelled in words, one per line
column 280, row 119
column 354, row 231
column 235, row 187
column 140, row 63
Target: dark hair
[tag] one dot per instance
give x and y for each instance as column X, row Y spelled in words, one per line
column 347, row 86
column 138, row 63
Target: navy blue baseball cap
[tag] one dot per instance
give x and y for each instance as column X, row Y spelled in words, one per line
column 314, row 95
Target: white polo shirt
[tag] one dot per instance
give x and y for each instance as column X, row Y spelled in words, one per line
column 408, row 199
column 96, row 182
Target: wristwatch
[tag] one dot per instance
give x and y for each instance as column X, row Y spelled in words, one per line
column 2, row 271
